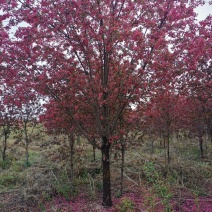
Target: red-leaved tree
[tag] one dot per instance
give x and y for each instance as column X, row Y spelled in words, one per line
column 103, row 55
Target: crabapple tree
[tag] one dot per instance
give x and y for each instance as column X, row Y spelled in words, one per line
column 103, row 55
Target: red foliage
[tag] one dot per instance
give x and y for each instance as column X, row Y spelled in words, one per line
column 96, row 58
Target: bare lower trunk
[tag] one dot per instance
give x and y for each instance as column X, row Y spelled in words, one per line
column 4, row 148
column 164, row 142
column 26, row 143
column 122, row 166
column 94, row 153
column 200, row 137
column 152, row 146
column 94, row 149
column 106, row 172
column 168, row 150
column 71, row 144
column 210, row 134
column 167, row 154
column 27, row 153
column 201, row 146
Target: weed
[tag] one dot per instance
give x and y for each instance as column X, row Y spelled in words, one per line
column 17, row 167
column 99, row 186
column 126, row 205
column 64, row 187
column 42, row 207
column 9, row 179
column 160, row 186
column 26, row 164
column 5, row 164
column 118, row 194
column 46, row 196
column 150, row 201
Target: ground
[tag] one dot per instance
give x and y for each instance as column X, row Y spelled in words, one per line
column 44, row 185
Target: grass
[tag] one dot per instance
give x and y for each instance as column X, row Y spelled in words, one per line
column 10, row 180
column 48, row 175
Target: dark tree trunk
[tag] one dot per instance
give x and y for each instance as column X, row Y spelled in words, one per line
column 161, row 139
column 210, row 133
column 71, row 144
column 26, row 143
column 4, row 147
column 152, row 146
column 27, row 152
column 168, row 149
column 201, row 146
column 161, row 143
column 200, row 137
column 164, row 143
column 106, row 172
column 94, row 149
column 94, row 153
column 122, row 166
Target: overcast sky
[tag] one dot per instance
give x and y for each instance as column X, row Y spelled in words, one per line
column 204, row 11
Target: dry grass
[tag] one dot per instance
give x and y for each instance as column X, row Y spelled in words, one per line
column 42, row 180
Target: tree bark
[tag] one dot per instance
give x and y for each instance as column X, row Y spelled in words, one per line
column 200, row 135
column 5, row 147
column 210, row 134
column 201, row 146
column 106, row 172
column 71, row 144
column 152, row 146
column 122, row 166
column 168, row 150
column 94, row 153
column 164, row 141
column 26, row 143
column 94, row 149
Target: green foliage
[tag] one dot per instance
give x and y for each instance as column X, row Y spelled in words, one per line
column 150, row 201
column 42, row 207
column 187, row 150
column 118, row 194
column 17, row 166
column 160, row 186
column 46, row 196
column 27, row 164
column 99, row 186
column 5, row 164
column 95, row 171
column 150, row 172
column 64, row 186
column 9, row 179
column 83, row 174
column 126, row 205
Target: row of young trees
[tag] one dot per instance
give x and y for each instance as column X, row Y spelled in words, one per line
column 106, row 66
column 19, row 113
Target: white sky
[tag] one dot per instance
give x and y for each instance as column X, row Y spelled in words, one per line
column 204, row 11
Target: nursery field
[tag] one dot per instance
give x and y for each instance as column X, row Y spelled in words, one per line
column 105, row 106
column 149, row 183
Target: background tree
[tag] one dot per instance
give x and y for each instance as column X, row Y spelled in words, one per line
column 29, row 111
column 56, row 121
column 8, row 117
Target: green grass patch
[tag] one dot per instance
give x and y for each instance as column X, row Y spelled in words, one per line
column 9, row 180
